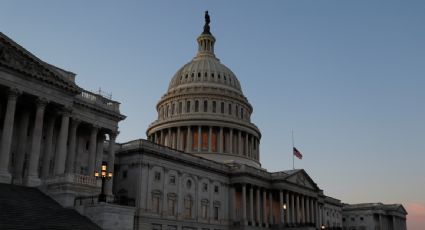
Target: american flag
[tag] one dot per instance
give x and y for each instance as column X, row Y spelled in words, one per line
column 297, row 153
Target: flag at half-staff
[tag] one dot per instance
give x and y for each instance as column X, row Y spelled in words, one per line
column 297, row 153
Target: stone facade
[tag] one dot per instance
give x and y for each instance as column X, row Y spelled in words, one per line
column 52, row 131
column 374, row 216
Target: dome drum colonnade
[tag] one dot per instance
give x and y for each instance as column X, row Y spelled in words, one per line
column 205, row 112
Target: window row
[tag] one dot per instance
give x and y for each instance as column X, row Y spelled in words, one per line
column 188, row 206
column 205, row 106
column 172, row 181
column 193, row 77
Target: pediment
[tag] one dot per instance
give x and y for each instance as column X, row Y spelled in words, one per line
column 301, row 178
column 16, row 58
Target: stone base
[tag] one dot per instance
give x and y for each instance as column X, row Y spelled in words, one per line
column 5, row 177
column 110, row 216
column 32, row 181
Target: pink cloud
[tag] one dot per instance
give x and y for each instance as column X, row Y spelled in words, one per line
column 416, row 216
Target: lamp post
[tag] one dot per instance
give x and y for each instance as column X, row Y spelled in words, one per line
column 104, row 175
column 323, row 227
column 284, row 210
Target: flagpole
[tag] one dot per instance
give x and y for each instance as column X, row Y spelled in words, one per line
column 293, row 146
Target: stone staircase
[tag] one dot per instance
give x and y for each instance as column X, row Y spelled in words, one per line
column 28, row 208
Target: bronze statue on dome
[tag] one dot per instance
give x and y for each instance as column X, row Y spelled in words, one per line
column 207, row 23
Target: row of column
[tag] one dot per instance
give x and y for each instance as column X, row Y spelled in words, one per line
column 221, row 140
column 65, row 148
column 258, row 208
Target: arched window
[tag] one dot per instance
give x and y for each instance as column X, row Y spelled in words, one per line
column 205, row 106
column 180, row 107
column 222, row 107
column 196, row 106
column 172, row 109
column 214, row 109
column 242, row 113
column 187, row 106
column 230, row 109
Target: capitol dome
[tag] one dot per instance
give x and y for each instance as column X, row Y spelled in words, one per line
column 204, row 111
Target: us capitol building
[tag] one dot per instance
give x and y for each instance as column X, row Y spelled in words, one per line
column 198, row 169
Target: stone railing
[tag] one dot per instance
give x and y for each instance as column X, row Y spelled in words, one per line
column 99, row 100
column 72, row 178
column 167, row 151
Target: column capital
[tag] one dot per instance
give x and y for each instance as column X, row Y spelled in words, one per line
column 66, row 111
column 41, row 102
column 14, row 92
column 113, row 134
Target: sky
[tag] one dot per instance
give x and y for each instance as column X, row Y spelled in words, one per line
column 347, row 76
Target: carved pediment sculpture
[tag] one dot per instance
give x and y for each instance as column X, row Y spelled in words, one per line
column 16, row 58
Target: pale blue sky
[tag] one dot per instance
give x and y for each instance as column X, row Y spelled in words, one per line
column 347, row 76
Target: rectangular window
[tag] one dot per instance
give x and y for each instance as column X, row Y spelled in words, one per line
column 155, row 204
column 230, row 109
column 172, row 207
column 214, row 107
column 222, row 107
column 216, row 211
column 157, row 176
column 204, row 210
column 172, row 179
column 180, row 107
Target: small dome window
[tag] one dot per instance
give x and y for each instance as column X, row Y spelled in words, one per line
column 196, row 106
column 199, row 74
column 205, row 106
column 219, row 76
column 186, row 76
column 187, row 106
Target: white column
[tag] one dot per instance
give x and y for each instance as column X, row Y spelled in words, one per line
column 231, row 141
column 282, row 214
column 72, row 146
column 6, row 140
column 308, row 210
column 240, row 148
column 258, row 209
column 179, row 139
column 111, row 161
column 297, row 207
column 244, row 220
column 189, row 139
column 265, row 208
column 251, row 205
column 170, row 138
column 270, row 207
column 220, row 141
column 246, row 146
column 293, row 209
column 32, row 178
column 49, row 147
column 287, row 214
column 61, row 146
column 92, row 151
column 22, row 147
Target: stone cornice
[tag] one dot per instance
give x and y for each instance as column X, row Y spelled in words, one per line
column 16, row 58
